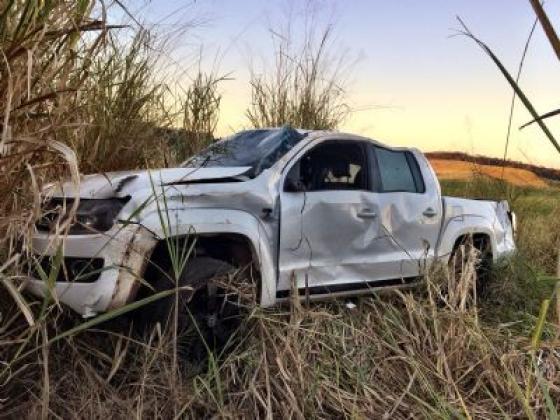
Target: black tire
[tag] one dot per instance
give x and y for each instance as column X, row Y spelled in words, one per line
column 208, row 315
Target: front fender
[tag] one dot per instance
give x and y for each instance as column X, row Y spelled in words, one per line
column 180, row 222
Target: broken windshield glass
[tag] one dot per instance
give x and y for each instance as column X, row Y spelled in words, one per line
column 259, row 149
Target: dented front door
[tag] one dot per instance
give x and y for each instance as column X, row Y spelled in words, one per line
column 330, row 237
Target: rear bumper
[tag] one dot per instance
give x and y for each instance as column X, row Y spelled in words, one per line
column 125, row 252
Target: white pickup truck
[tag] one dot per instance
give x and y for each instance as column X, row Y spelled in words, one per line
column 317, row 213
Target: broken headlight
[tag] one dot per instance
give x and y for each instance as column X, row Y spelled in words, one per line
column 91, row 216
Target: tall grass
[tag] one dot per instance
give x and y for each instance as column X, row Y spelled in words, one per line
column 305, row 88
column 43, row 66
column 122, row 108
column 200, row 114
column 422, row 354
column 78, row 92
column 542, row 17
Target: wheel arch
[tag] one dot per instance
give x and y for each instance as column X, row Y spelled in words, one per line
column 213, row 231
column 476, row 227
column 234, row 248
column 480, row 240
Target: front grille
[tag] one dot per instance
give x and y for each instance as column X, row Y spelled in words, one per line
column 78, row 270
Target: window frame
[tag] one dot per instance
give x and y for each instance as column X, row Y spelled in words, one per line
column 413, row 166
column 365, row 153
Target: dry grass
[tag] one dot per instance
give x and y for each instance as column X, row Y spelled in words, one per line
column 201, row 112
column 460, row 170
column 305, row 87
column 121, row 110
column 433, row 352
column 40, row 78
column 393, row 356
column 78, row 92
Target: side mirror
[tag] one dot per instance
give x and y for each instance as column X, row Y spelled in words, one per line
column 293, row 185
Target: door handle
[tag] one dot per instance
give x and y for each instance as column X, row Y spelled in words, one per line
column 367, row 214
column 430, row 212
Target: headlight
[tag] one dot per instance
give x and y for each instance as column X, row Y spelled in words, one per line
column 96, row 215
column 92, row 215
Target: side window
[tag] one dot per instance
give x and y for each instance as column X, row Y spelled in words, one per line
column 333, row 165
column 399, row 171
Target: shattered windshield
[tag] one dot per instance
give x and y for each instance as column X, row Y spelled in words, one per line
column 259, row 149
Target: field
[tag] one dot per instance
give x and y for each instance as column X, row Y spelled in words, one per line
column 80, row 95
column 461, row 170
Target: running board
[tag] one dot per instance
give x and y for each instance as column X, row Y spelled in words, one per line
column 348, row 287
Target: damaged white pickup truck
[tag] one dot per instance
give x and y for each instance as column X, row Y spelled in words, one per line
column 335, row 214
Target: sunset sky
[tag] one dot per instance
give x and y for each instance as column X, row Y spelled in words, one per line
column 409, row 81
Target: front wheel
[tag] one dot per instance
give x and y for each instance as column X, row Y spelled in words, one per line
column 210, row 309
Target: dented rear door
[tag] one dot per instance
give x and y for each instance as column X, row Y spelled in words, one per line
column 410, row 210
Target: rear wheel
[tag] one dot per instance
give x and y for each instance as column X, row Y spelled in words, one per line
column 472, row 259
column 210, row 310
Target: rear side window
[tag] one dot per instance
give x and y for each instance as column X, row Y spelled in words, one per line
column 399, row 171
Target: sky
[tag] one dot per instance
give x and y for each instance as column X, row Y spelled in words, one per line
column 409, row 81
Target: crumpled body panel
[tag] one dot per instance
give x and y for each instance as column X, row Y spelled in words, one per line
column 351, row 237
column 188, row 208
column 124, row 250
column 464, row 217
column 126, row 183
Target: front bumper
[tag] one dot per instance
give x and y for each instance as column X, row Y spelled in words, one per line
column 125, row 252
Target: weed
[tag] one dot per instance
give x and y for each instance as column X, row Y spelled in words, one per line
column 305, row 88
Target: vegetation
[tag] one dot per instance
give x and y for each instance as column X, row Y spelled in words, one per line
column 201, row 112
column 41, row 75
column 420, row 352
column 545, row 173
column 70, row 100
column 305, row 88
column 530, row 276
column 121, row 109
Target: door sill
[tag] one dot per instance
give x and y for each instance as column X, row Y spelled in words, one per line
column 350, row 287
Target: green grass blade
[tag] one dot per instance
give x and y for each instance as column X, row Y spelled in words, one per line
column 19, row 299
column 115, row 313
column 552, row 412
column 537, row 333
column 547, row 26
column 513, row 84
column 542, row 117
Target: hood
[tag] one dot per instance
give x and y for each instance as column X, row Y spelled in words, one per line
column 122, row 184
